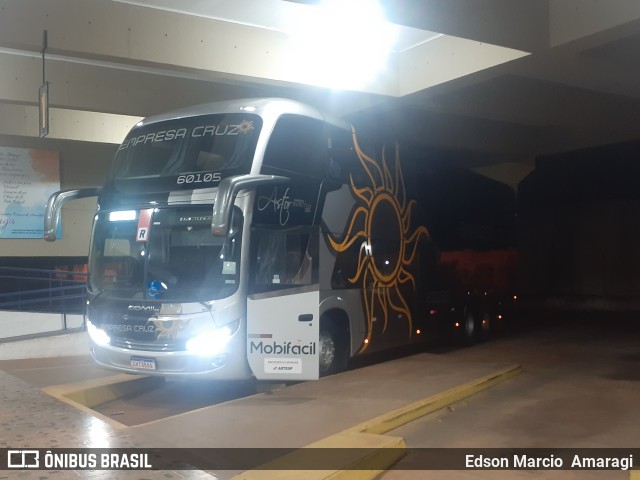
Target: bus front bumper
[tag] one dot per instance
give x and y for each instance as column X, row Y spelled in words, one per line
column 228, row 365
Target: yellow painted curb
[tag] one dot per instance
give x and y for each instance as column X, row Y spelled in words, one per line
column 91, row 393
column 381, row 452
column 401, row 416
column 102, row 390
column 386, row 449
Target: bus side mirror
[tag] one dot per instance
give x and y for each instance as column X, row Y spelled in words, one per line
column 228, row 190
column 54, row 207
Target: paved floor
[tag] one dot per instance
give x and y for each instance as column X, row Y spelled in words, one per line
column 157, row 401
column 286, row 418
column 579, row 388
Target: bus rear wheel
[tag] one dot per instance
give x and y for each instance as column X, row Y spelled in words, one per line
column 469, row 328
column 466, row 335
column 333, row 354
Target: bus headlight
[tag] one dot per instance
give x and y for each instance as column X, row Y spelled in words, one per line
column 214, row 342
column 97, row 335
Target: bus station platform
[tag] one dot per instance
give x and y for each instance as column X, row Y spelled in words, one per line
column 351, row 410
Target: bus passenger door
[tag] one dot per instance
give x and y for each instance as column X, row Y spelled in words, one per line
column 283, row 321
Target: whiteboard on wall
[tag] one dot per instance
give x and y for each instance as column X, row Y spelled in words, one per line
column 27, row 177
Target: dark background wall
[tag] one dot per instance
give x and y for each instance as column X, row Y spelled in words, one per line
column 579, row 228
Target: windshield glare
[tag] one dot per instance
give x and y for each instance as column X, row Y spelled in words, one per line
column 179, row 259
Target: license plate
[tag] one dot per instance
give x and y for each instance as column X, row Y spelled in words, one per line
column 143, row 363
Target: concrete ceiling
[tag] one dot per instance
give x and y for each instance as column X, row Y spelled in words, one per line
column 499, row 81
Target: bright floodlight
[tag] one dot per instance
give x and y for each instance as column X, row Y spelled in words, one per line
column 342, row 43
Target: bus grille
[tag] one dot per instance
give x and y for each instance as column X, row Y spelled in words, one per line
column 148, row 346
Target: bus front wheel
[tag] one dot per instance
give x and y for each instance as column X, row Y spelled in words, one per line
column 333, row 355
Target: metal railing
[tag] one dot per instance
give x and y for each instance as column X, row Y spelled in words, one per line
column 38, row 290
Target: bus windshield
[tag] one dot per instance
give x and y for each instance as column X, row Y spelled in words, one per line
column 179, row 259
column 190, row 152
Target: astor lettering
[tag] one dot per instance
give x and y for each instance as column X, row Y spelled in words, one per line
column 283, row 204
column 280, row 204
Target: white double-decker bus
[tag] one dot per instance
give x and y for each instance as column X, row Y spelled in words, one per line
column 260, row 238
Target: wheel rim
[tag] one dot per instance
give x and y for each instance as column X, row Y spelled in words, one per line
column 327, row 351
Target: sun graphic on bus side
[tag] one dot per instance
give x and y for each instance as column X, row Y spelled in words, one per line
column 383, row 267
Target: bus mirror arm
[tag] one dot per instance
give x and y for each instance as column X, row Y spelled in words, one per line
column 54, row 207
column 228, row 190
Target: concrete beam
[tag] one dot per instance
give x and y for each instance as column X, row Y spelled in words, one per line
column 518, row 24
column 22, row 120
column 105, row 87
column 604, row 61
column 100, row 30
column 447, row 58
column 573, row 19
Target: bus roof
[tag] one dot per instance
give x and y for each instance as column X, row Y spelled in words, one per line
column 264, row 107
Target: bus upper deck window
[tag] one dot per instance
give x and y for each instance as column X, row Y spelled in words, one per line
column 297, row 145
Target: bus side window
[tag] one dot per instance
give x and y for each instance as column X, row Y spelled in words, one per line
column 283, row 259
column 297, row 145
column 344, row 163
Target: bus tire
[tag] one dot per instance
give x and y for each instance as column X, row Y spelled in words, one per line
column 333, row 355
column 469, row 329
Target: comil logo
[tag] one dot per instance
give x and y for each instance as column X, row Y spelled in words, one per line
column 143, row 308
column 23, row 459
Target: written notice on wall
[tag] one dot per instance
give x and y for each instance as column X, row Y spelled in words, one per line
column 28, row 178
